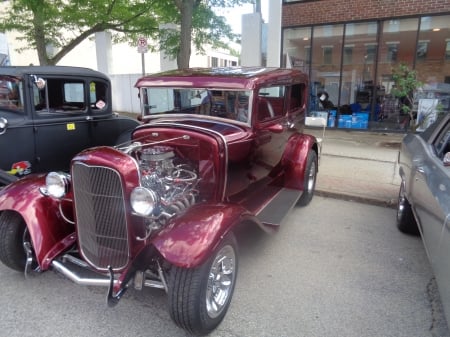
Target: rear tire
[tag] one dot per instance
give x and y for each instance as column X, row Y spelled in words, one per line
column 406, row 223
column 12, row 232
column 199, row 297
column 309, row 181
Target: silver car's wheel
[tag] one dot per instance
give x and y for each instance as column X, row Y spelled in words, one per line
column 199, row 297
column 406, row 222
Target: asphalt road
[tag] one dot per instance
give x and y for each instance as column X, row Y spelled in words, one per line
column 335, row 268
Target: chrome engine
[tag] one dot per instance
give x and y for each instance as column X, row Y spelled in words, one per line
column 173, row 180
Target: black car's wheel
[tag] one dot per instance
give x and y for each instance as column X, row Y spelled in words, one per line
column 199, row 298
column 406, row 222
column 309, row 183
column 13, row 232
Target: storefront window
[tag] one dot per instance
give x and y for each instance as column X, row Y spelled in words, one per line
column 297, row 48
column 447, row 50
column 433, row 49
column 398, row 40
column 432, row 65
column 326, row 66
column 357, row 84
column 353, row 64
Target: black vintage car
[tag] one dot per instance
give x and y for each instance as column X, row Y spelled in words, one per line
column 48, row 114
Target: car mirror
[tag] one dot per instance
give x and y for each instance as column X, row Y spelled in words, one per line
column 3, row 125
column 39, row 82
column 446, row 159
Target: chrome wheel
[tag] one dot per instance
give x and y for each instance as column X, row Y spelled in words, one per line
column 199, row 297
column 220, row 281
column 401, row 202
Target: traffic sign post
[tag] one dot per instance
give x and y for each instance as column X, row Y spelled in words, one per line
column 142, row 48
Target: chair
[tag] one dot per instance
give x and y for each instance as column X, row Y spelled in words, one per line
column 318, row 122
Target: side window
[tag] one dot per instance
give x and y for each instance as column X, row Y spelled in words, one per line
column 270, row 103
column 297, row 96
column 11, row 93
column 442, row 143
column 59, row 95
column 97, row 95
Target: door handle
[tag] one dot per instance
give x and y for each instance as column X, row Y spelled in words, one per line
column 420, row 169
column 3, row 125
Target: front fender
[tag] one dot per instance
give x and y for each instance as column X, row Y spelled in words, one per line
column 193, row 236
column 41, row 215
column 293, row 161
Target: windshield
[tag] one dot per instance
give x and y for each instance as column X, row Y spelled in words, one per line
column 11, row 93
column 230, row 104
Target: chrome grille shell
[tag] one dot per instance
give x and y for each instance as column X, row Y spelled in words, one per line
column 100, row 214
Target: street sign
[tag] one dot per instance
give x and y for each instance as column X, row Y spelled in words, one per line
column 142, row 45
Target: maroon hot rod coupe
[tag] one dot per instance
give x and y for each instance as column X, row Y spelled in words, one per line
column 217, row 149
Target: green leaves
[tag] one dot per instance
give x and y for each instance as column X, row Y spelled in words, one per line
column 405, row 85
column 65, row 24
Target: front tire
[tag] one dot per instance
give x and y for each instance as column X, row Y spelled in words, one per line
column 309, row 181
column 199, row 297
column 406, row 223
column 12, row 233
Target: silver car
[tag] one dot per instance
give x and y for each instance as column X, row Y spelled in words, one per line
column 424, row 197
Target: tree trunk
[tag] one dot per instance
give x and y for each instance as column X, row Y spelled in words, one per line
column 39, row 37
column 184, row 54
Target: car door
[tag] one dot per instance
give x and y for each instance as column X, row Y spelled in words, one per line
column 431, row 202
column 16, row 128
column 61, row 123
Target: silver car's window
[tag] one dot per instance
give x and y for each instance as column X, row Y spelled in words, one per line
column 442, row 143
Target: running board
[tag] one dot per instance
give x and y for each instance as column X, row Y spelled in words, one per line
column 279, row 206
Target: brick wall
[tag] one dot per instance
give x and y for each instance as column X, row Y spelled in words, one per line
column 333, row 11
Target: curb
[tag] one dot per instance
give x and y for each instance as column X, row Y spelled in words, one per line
column 388, row 203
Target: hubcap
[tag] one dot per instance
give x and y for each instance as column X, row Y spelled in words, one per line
column 400, row 203
column 220, row 281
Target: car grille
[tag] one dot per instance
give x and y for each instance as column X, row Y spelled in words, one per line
column 100, row 215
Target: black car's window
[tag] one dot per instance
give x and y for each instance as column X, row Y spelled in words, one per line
column 97, row 95
column 60, row 95
column 11, row 93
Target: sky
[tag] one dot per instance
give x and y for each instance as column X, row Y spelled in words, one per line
column 234, row 15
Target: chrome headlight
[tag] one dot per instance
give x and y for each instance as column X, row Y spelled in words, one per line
column 143, row 201
column 57, row 184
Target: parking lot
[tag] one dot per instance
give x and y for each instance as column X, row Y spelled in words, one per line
column 335, row 268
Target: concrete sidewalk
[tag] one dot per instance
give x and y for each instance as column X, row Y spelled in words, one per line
column 359, row 165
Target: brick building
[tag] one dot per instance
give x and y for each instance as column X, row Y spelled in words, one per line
column 349, row 49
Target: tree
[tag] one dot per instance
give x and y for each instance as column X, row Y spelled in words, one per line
column 199, row 26
column 405, row 86
column 65, row 24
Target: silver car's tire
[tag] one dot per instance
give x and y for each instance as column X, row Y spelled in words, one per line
column 406, row 223
column 199, row 297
